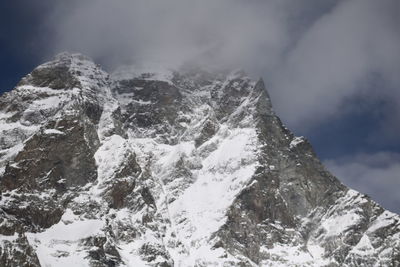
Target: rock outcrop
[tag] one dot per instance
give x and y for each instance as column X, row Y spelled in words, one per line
column 166, row 168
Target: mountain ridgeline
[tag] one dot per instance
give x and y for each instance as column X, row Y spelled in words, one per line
column 150, row 166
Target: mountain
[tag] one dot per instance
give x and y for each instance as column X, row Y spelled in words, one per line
column 151, row 166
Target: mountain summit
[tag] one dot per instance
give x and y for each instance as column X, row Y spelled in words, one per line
column 160, row 167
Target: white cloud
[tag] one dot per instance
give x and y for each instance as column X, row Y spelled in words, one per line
column 171, row 30
column 335, row 56
column 313, row 54
column 377, row 175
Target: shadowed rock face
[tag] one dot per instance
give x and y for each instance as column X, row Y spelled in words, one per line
column 287, row 187
column 208, row 130
column 155, row 104
column 120, row 189
column 58, row 158
column 56, row 75
column 18, row 256
column 170, row 168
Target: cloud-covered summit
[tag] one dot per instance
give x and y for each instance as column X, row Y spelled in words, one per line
column 313, row 55
column 331, row 67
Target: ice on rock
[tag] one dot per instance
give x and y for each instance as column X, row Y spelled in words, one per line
column 296, row 141
column 186, row 167
column 53, row 131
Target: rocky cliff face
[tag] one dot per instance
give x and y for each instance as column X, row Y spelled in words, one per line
column 170, row 168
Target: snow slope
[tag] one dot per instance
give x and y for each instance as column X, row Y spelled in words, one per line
column 152, row 166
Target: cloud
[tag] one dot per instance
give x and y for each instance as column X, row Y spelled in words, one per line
column 314, row 55
column 321, row 60
column 334, row 58
column 377, row 175
column 171, row 30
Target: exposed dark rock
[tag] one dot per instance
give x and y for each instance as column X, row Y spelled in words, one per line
column 57, row 158
column 55, row 76
column 196, row 170
column 119, row 192
column 209, row 128
column 230, row 96
column 29, row 213
column 160, row 99
column 102, row 252
column 18, row 253
column 120, row 189
column 150, row 252
column 148, row 197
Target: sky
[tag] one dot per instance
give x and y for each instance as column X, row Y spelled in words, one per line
column 332, row 68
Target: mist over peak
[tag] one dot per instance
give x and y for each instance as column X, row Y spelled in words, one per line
column 331, row 67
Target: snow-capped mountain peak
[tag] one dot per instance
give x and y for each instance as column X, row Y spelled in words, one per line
column 155, row 166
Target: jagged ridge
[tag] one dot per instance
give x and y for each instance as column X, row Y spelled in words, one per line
column 170, row 168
